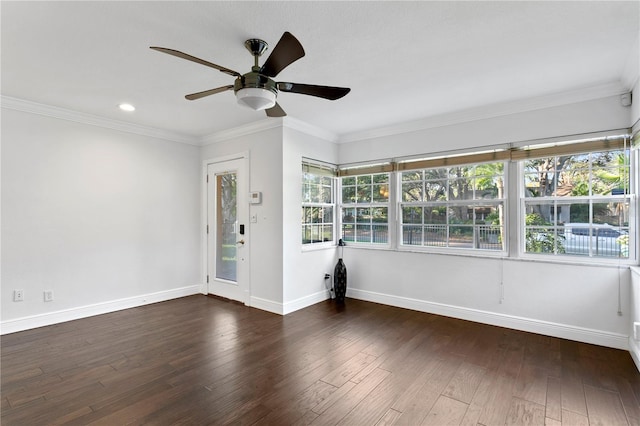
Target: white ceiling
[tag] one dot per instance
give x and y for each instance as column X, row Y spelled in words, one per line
column 404, row 61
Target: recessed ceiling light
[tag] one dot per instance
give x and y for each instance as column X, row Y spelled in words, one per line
column 127, row 107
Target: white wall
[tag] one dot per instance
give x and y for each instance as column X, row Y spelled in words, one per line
column 634, row 315
column 304, row 270
column 105, row 219
column 573, row 301
column 590, row 116
column 108, row 219
column 635, row 104
column 264, row 236
column 569, row 301
column 284, row 278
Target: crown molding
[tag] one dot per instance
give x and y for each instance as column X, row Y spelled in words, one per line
column 472, row 114
column 93, row 120
column 491, row 111
column 309, row 129
column 270, row 123
column 243, row 130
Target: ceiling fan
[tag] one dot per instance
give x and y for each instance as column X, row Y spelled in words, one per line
column 257, row 89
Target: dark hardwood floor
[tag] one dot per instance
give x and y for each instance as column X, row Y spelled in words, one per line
column 202, row 360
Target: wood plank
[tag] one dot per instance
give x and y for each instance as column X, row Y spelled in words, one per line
column 629, row 400
column 403, row 384
column 350, row 399
column 524, row 412
column 373, row 407
column 306, row 419
column 291, row 411
column 554, row 399
column 465, row 382
column 204, row 360
column 389, row 418
column 350, row 368
column 544, row 352
column 531, row 384
column 412, row 388
column 421, row 405
column 333, row 398
column 497, row 399
column 472, row 415
column 572, row 392
column 446, row 411
column 569, row 418
column 604, row 407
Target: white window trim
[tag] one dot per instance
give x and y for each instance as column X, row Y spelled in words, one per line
column 390, row 204
column 634, row 254
column 323, row 245
column 454, row 250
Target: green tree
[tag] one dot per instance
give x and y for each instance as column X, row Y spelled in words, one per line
column 490, row 177
column 541, row 240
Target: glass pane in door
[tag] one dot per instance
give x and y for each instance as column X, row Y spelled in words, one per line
column 226, row 226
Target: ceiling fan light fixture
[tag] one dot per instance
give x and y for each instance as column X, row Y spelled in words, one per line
column 256, row 98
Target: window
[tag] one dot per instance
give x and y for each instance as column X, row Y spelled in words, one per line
column 365, row 208
column 571, row 198
column 577, row 203
column 318, row 184
column 459, row 207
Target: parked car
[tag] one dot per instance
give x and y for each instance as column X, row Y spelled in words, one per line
column 597, row 239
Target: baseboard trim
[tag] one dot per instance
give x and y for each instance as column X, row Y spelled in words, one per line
column 579, row 334
column 634, row 350
column 50, row 318
column 305, row 301
column 266, row 305
column 288, row 307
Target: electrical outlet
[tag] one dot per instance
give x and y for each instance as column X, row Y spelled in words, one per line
column 48, row 295
column 18, row 295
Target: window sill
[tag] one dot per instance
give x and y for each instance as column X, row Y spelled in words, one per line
column 575, row 260
column 610, row 263
column 319, row 246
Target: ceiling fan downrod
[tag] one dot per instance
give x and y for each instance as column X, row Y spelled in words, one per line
column 257, row 47
column 255, row 79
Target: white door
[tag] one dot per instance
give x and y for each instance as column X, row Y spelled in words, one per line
column 228, row 230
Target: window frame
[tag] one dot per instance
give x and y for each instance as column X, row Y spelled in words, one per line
column 474, row 203
column 318, row 170
column 629, row 197
column 356, row 174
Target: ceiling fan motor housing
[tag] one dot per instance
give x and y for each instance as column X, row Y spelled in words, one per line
column 255, row 91
column 255, row 80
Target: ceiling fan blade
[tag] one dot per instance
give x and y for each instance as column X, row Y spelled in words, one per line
column 287, row 51
column 196, row 60
column 276, row 111
column 326, row 92
column 194, row 96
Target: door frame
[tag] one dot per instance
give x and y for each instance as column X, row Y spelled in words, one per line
column 243, row 262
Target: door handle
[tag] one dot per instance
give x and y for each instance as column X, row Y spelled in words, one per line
column 240, row 242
